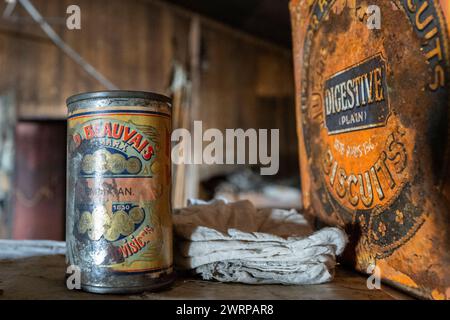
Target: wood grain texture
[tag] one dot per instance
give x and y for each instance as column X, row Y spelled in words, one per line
column 133, row 43
column 127, row 41
column 43, row 278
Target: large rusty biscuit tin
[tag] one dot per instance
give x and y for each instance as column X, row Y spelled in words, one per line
column 372, row 80
column 118, row 228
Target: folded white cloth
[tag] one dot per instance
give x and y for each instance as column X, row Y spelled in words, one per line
column 235, row 242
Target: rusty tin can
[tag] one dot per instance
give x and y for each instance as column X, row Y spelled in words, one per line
column 119, row 227
column 372, row 81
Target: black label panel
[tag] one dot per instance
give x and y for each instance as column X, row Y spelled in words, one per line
column 357, row 98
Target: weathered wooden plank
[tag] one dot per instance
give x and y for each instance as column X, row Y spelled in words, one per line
column 132, row 43
column 43, row 278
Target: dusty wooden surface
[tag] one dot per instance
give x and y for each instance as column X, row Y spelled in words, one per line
column 43, row 277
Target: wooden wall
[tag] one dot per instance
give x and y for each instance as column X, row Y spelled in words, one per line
column 242, row 81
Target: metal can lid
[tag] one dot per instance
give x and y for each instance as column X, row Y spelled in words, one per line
column 111, row 94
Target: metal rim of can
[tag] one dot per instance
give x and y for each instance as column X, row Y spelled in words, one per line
column 118, row 94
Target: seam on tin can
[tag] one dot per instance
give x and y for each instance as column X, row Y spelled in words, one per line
column 117, row 94
column 117, row 112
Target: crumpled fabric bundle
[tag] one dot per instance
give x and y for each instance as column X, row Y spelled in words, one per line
column 235, row 242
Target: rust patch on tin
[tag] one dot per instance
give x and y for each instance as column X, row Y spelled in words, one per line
column 372, row 110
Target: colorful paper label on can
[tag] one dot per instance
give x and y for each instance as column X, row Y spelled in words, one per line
column 122, row 192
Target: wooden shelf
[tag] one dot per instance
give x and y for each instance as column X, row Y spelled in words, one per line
column 43, row 277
